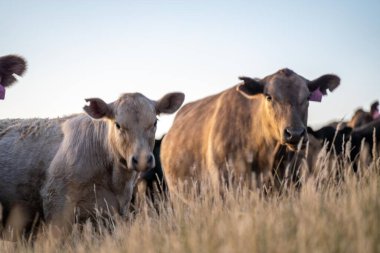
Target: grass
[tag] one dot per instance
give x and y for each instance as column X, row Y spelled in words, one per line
column 328, row 214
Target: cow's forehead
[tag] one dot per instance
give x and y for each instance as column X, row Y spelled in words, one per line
column 134, row 107
column 287, row 86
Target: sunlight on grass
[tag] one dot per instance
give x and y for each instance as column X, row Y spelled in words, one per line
column 329, row 213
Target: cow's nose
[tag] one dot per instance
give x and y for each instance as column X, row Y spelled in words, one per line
column 143, row 162
column 294, row 134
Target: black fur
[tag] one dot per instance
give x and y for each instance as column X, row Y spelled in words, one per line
column 334, row 138
column 11, row 64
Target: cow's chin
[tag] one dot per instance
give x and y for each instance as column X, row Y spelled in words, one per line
column 291, row 147
column 295, row 146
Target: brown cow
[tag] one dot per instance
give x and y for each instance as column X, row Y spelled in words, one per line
column 361, row 117
column 100, row 157
column 240, row 129
column 9, row 65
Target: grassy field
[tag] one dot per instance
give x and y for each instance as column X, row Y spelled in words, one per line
column 328, row 214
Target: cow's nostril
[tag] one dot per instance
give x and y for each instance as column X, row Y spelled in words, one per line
column 150, row 159
column 135, row 162
column 288, row 134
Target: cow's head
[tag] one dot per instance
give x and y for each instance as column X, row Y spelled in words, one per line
column 132, row 125
column 9, row 65
column 360, row 118
column 285, row 99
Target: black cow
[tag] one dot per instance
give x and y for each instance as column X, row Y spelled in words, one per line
column 154, row 178
column 9, row 65
column 368, row 135
column 152, row 184
column 332, row 136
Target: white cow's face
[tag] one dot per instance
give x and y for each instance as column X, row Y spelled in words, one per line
column 132, row 125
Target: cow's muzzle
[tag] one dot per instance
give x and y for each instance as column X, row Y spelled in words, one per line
column 294, row 135
column 142, row 163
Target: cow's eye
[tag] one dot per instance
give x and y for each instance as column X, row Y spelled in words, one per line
column 268, row 98
column 117, row 125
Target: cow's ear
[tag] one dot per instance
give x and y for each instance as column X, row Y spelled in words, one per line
column 170, row 103
column 324, row 83
column 98, row 108
column 9, row 65
column 250, row 87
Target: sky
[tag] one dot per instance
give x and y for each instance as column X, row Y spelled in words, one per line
column 81, row 49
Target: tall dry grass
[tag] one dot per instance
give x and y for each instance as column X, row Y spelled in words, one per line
column 329, row 213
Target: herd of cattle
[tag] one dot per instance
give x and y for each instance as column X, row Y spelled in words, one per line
column 94, row 163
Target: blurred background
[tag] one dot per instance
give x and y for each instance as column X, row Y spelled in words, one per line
column 81, row 49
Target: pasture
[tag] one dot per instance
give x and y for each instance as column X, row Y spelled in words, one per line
column 250, row 162
column 328, row 213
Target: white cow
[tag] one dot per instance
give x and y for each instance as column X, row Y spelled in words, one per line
column 81, row 161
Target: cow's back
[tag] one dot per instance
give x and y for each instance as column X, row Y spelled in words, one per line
column 204, row 134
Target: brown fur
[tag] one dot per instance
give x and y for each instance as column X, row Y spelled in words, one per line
column 359, row 119
column 362, row 117
column 239, row 129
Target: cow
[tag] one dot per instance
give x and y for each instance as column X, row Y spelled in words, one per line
column 366, row 137
column 9, row 65
column 361, row 117
column 334, row 137
column 102, row 153
column 241, row 129
column 153, row 181
column 32, row 150
column 151, row 184
column 350, row 141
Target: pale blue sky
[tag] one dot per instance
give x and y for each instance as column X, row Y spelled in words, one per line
column 80, row 49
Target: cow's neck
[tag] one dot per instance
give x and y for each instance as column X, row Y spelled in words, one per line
column 87, row 144
column 264, row 146
column 101, row 144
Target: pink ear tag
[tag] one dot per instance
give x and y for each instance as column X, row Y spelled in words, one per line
column 376, row 115
column 316, row 96
column 2, row 92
